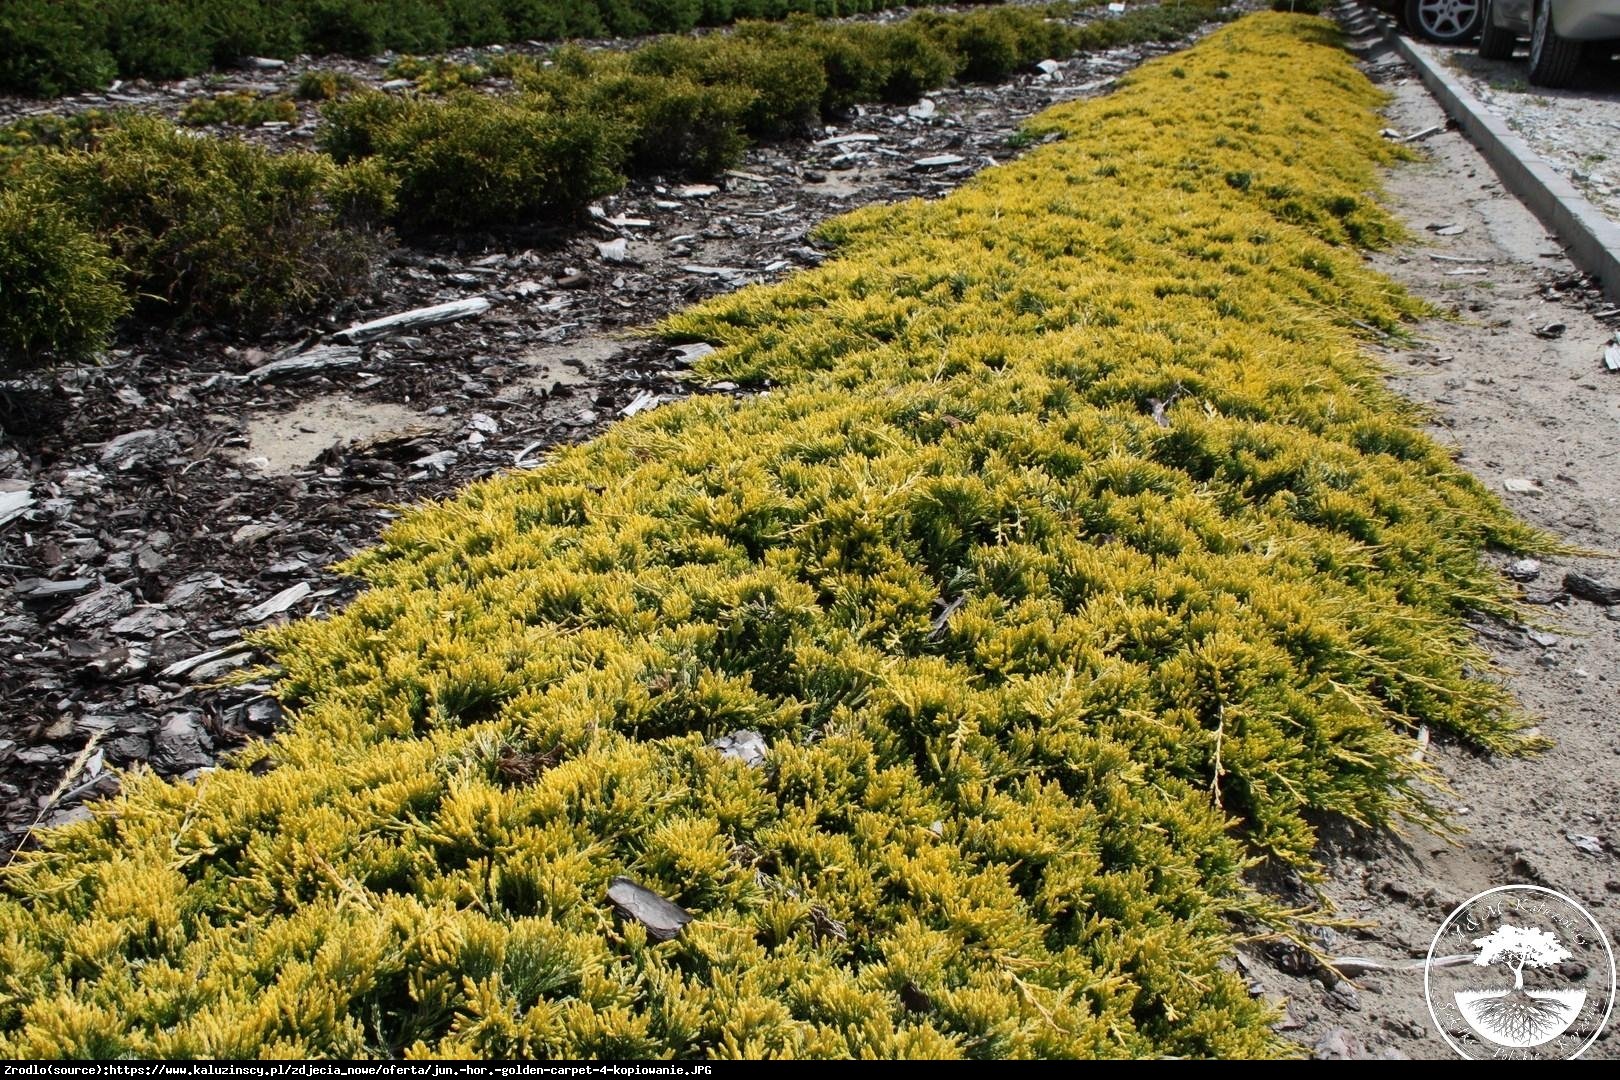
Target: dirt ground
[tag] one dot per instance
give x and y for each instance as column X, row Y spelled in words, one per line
column 1538, row 419
column 1575, row 130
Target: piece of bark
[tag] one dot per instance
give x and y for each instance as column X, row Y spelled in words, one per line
column 377, row 329
column 278, row 603
column 102, row 606
column 181, row 668
column 1597, row 590
column 40, row 591
column 14, row 504
column 321, row 358
column 663, row 919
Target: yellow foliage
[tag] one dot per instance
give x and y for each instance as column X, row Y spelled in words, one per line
column 1076, row 559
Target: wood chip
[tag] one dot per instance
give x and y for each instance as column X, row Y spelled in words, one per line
column 181, row 668
column 664, row 920
column 278, row 603
column 377, row 329
column 102, row 606
column 14, row 504
column 321, row 358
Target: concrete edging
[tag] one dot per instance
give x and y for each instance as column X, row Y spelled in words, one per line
column 1591, row 240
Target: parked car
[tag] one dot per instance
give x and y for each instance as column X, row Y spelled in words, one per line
column 1562, row 33
column 1450, row 22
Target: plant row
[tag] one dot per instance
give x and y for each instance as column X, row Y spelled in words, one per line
column 103, row 214
column 61, row 46
column 1078, row 558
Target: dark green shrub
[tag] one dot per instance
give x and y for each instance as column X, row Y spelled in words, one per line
column 239, row 28
column 62, row 296
column 50, row 49
column 991, row 45
column 367, row 27
column 216, row 228
column 855, row 62
column 476, row 22
column 678, row 126
column 478, row 160
column 551, row 19
column 671, row 16
column 671, row 124
column 354, row 124
column 787, row 79
column 1299, row 7
column 157, row 39
column 914, row 63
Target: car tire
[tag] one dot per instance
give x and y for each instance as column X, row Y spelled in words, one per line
column 1449, row 22
column 1553, row 59
column 1495, row 43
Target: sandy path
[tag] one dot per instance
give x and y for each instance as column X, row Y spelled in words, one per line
column 1515, row 406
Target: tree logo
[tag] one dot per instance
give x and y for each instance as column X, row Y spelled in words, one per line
column 1562, row 972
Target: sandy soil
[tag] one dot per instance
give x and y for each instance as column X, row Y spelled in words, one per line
column 1576, row 131
column 1516, row 406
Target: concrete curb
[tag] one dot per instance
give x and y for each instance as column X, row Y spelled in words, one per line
column 1590, row 239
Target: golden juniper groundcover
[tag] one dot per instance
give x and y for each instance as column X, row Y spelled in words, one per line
column 1075, row 559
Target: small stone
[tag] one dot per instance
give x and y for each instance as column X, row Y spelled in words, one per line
column 663, row 919
column 745, row 746
column 252, row 533
column 1524, row 570
column 1346, row 995
column 1338, row 1044
column 1520, row 485
column 181, row 744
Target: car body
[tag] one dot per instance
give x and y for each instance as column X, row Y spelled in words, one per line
column 1575, row 20
column 1563, row 34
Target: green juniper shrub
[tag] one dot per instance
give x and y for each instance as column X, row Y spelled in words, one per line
column 354, row 124
column 477, row 160
column 552, row 19
column 679, row 126
column 240, row 28
column 787, row 79
column 241, row 108
column 62, row 293
column 672, row 124
column 476, row 22
column 218, row 228
column 158, row 39
column 671, row 16
column 60, row 46
column 997, row 43
column 914, row 63
column 55, row 48
column 366, row 27
column 854, row 61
